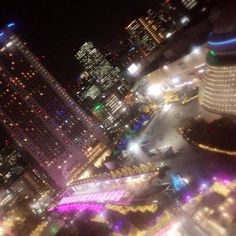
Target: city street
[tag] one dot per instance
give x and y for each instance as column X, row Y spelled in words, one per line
column 188, row 160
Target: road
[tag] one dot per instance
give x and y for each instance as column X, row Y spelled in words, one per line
column 181, row 68
column 190, row 160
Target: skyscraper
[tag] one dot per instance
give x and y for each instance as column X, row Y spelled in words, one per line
column 41, row 116
column 87, row 88
column 161, row 22
column 95, row 63
column 141, row 35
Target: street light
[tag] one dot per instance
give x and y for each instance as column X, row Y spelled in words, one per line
column 196, row 50
column 168, row 35
column 184, row 20
column 154, row 90
column 133, row 146
column 201, row 71
column 175, row 80
column 186, row 180
column 166, row 107
column 165, row 67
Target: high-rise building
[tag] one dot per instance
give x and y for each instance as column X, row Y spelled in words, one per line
column 162, row 24
column 87, row 87
column 141, row 35
column 95, row 63
column 114, row 105
column 20, row 176
column 108, row 111
column 159, row 23
column 218, row 85
column 41, row 116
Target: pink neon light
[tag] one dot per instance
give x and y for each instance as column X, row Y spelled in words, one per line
column 79, row 207
column 113, row 196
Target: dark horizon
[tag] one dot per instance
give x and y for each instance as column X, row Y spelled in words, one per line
column 56, row 31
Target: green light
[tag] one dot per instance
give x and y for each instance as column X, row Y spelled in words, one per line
column 212, row 53
column 97, row 107
column 53, row 230
column 212, row 58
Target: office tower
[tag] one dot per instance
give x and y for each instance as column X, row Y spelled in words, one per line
column 141, row 36
column 159, row 23
column 41, row 116
column 114, row 105
column 87, row 87
column 218, row 85
column 117, row 113
column 109, row 111
column 95, row 63
column 162, row 24
column 105, row 107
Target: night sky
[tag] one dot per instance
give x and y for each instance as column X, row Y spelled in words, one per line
column 55, row 29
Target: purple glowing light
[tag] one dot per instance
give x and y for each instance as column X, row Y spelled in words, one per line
column 117, row 226
column 223, row 178
column 79, row 208
column 113, row 196
column 187, row 198
column 203, row 187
